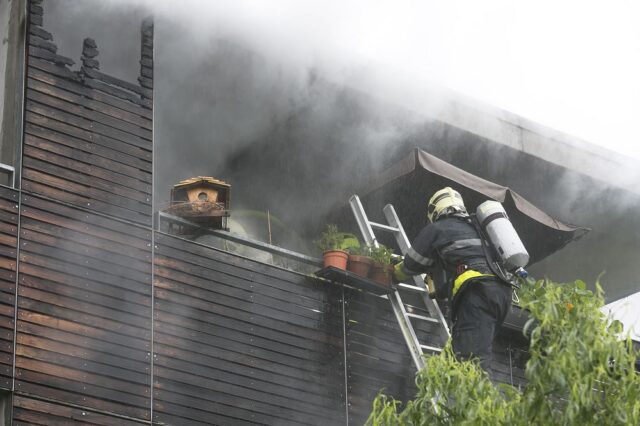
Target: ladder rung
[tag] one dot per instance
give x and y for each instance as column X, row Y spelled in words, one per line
column 410, row 287
column 398, row 306
column 431, row 348
column 422, row 317
column 383, row 227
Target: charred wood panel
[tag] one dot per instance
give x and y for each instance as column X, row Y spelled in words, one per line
column 377, row 355
column 66, row 78
column 83, row 341
column 72, row 91
column 29, row 411
column 88, row 135
column 8, row 250
column 240, row 342
column 510, row 356
column 84, row 311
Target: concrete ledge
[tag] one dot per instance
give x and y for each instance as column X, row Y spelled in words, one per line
column 505, row 128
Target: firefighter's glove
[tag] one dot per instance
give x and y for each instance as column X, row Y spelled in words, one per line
column 399, row 275
column 431, row 287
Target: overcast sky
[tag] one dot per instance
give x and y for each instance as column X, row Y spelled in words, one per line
column 572, row 65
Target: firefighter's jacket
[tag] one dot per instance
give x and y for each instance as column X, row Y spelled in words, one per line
column 444, row 246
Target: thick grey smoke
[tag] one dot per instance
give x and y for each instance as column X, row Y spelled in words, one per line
column 263, row 96
column 238, row 102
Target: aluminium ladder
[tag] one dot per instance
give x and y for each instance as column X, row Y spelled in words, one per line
column 403, row 316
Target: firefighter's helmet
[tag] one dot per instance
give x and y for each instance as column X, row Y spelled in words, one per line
column 445, row 202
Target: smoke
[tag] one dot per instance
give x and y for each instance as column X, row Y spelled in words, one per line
column 295, row 103
column 248, row 95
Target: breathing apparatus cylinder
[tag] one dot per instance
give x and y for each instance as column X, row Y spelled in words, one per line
column 502, row 235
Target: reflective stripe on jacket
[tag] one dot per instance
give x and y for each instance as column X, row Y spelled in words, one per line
column 446, row 243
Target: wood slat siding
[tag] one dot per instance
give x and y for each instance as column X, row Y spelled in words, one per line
column 239, row 342
column 377, row 356
column 84, row 311
column 510, row 356
column 29, row 411
column 88, row 136
column 8, row 249
column 83, row 340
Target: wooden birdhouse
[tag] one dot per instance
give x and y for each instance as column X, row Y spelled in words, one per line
column 203, row 200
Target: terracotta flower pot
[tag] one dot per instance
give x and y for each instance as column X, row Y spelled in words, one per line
column 381, row 273
column 335, row 258
column 360, row 265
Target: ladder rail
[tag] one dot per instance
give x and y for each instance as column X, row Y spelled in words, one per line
column 407, row 330
column 404, row 244
column 402, row 316
column 363, row 222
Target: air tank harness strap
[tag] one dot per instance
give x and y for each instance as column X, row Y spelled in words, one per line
column 465, row 276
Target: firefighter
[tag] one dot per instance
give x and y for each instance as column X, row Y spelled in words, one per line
column 479, row 300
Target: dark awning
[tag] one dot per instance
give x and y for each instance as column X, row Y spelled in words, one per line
column 409, row 183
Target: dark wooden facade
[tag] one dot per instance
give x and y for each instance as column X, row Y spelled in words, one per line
column 240, row 342
column 8, row 251
column 84, row 309
column 114, row 323
column 82, row 218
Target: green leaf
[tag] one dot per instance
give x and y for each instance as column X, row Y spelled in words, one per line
column 527, row 326
column 578, row 372
column 616, row 327
column 349, row 242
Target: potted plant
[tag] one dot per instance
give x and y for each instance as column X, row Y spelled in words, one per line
column 382, row 269
column 349, row 242
column 360, row 260
column 334, row 245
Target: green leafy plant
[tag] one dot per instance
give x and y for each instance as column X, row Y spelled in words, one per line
column 330, row 239
column 362, row 250
column 580, row 372
column 333, row 239
column 349, row 242
column 382, row 254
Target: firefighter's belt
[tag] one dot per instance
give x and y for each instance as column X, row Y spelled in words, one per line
column 465, row 276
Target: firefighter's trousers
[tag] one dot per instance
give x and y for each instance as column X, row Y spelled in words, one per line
column 477, row 315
